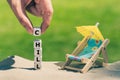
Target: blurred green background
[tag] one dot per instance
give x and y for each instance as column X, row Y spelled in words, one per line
column 61, row 37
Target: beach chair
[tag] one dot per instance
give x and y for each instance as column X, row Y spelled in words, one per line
column 87, row 52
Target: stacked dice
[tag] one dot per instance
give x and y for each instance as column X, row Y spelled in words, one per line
column 37, row 49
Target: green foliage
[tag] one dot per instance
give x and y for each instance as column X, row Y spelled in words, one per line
column 61, row 37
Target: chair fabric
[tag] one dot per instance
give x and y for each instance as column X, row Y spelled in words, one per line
column 88, row 51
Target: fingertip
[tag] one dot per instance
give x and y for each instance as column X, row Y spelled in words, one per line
column 30, row 32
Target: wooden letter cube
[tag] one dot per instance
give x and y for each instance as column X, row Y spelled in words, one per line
column 37, row 65
column 38, row 51
column 38, row 58
column 37, row 44
column 37, row 31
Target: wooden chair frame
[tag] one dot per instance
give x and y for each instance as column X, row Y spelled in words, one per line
column 88, row 62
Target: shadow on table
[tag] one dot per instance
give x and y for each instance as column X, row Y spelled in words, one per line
column 99, row 71
column 8, row 62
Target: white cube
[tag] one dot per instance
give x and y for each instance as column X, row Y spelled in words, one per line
column 37, row 43
column 37, row 65
column 37, row 51
column 37, row 31
column 38, row 58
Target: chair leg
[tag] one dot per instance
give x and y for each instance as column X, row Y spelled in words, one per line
column 66, row 63
column 87, row 66
column 91, row 61
column 105, row 56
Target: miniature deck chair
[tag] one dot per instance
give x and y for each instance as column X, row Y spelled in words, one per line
column 88, row 50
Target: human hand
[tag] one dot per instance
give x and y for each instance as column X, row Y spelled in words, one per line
column 40, row 8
